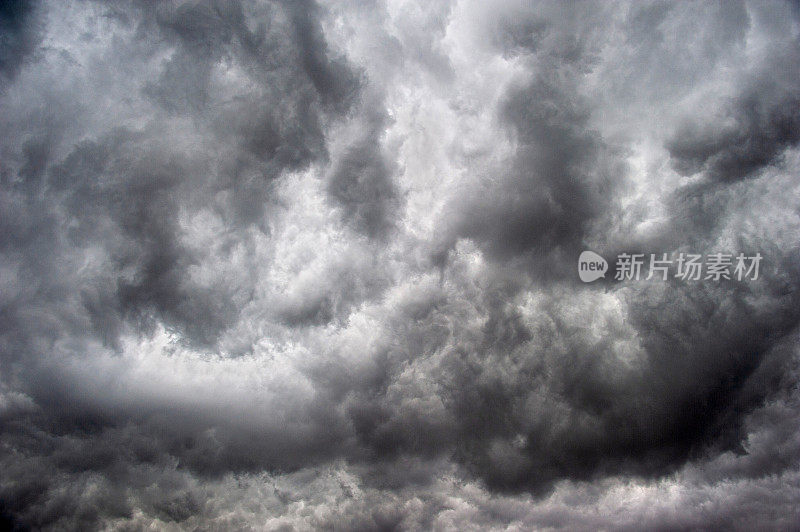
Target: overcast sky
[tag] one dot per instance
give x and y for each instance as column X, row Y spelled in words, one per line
column 288, row 266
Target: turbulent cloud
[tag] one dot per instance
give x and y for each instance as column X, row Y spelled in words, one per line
column 287, row 265
column 21, row 34
column 755, row 136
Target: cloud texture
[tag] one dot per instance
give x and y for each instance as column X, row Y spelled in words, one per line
column 297, row 266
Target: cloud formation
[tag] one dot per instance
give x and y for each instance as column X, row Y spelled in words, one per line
column 289, row 265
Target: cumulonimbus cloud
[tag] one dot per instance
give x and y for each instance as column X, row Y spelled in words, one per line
column 284, row 264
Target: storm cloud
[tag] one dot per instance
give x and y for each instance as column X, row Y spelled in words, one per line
column 297, row 266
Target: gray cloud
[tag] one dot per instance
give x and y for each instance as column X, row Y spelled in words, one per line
column 294, row 266
column 757, row 135
column 21, row 34
column 361, row 181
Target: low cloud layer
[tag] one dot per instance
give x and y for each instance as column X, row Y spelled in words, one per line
column 286, row 265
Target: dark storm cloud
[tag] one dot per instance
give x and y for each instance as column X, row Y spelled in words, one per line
column 604, row 418
column 219, row 310
column 525, row 406
column 128, row 187
column 756, row 135
column 362, row 183
column 332, row 79
column 561, row 178
column 20, row 33
column 753, row 128
column 540, row 204
column 122, row 193
column 690, row 386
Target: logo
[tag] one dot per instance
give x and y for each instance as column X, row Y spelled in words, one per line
column 686, row 267
column 591, row 266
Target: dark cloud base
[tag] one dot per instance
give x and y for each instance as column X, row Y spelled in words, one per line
column 298, row 266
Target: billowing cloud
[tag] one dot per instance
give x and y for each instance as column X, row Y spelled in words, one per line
column 290, row 265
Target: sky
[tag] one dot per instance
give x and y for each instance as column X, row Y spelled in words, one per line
column 284, row 265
